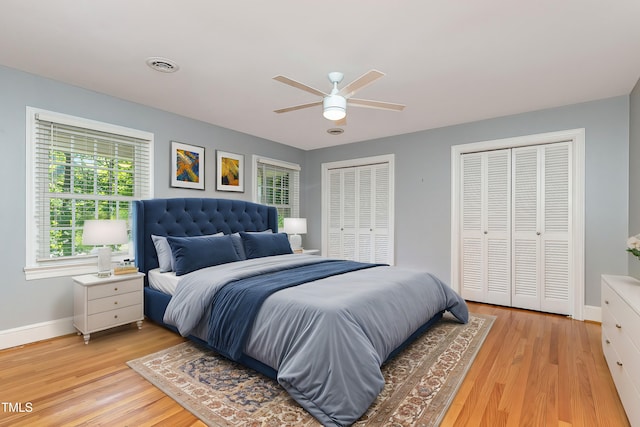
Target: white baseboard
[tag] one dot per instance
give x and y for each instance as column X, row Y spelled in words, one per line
column 592, row 313
column 36, row 332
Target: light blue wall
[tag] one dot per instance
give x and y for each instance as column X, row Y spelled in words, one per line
column 423, row 183
column 28, row 302
column 423, row 197
column 634, row 174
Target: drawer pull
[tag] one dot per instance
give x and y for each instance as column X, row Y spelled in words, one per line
column 618, row 325
column 608, row 342
column 115, row 289
column 619, row 363
column 606, row 301
column 115, row 302
column 115, row 316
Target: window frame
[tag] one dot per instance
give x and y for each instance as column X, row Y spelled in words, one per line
column 294, row 167
column 74, row 265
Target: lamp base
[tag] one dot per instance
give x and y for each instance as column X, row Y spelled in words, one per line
column 295, row 240
column 104, row 261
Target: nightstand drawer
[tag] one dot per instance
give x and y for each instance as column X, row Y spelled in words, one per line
column 112, row 303
column 111, row 318
column 115, row 288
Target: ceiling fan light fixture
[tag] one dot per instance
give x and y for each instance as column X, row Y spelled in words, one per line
column 334, row 107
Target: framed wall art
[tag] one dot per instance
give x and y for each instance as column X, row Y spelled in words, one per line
column 187, row 166
column 230, row 172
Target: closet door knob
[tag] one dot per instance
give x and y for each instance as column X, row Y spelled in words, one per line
column 538, row 233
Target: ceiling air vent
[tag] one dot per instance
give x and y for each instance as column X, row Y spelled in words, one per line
column 163, row 65
column 335, row 131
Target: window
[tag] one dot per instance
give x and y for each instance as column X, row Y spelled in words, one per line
column 278, row 184
column 77, row 170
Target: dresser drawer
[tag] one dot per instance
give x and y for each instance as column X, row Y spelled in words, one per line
column 111, row 303
column 116, row 317
column 626, row 355
column 624, row 319
column 629, row 394
column 115, row 288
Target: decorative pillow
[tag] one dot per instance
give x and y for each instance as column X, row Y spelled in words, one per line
column 163, row 250
column 191, row 254
column 258, row 245
column 237, row 242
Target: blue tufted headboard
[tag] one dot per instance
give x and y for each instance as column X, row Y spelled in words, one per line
column 193, row 217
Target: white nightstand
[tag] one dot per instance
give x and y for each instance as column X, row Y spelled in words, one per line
column 101, row 303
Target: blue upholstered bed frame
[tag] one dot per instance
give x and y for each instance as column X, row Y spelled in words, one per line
column 197, row 217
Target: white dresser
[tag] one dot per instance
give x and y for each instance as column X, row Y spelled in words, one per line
column 621, row 339
column 103, row 303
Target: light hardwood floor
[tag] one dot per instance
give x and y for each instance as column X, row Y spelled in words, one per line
column 533, row 370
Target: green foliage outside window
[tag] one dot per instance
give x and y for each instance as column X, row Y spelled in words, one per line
column 81, row 187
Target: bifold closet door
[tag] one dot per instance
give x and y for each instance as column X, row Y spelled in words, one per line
column 541, row 250
column 359, row 216
column 342, row 214
column 485, row 227
column 373, row 213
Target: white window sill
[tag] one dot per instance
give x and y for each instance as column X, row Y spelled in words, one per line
column 60, row 269
column 40, row 272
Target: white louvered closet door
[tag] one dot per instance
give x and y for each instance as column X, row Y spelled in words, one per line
column 485, row 221
column 359, row 213
column 381, row 214
column 342, row 221
column 334, row 214
column 541, row 227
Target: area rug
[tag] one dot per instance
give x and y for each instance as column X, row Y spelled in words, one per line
column 420, row 382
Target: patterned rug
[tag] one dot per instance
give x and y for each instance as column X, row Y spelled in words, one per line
column 420, row 382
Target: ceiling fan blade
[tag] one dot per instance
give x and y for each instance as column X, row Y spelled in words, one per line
column 364, row 80
column 298, row 85
column 298, row 107
column 375, row 104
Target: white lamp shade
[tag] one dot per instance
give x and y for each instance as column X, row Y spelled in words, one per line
column 295, row 225
column 104, row 232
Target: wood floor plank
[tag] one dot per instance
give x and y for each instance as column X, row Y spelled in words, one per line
column 534, row 369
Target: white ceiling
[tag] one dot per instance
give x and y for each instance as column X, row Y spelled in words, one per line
column 448, row 61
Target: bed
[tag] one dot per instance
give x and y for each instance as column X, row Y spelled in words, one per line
column 321, row 327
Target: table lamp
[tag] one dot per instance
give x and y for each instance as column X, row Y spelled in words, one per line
column 294, row 227
column 104, row 232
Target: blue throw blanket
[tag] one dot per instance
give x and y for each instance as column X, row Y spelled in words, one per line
column 236, row 305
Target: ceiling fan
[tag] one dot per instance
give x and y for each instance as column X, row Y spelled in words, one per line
column 334, row 104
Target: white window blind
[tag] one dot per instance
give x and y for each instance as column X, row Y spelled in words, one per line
column 278, row 185
column 81, row 170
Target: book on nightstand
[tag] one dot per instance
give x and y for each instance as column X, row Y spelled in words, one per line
column 125, row 270
column 126, row 267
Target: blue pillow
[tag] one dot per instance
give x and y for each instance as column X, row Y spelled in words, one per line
column 191, row 254
column 163, row 250
column 258, row 245
column 237, row 242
